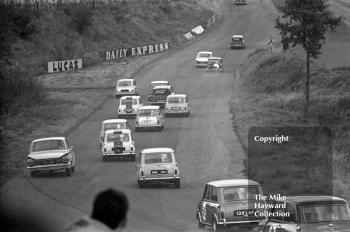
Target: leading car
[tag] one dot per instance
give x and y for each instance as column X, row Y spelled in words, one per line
column 126, row 87
column 51, row 154
column 229, row 203
column 157, row 165
column 202, row 58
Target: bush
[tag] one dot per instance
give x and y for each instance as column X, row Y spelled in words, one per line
column 81, row 17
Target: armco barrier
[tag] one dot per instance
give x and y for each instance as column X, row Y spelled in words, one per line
column 136, row 51
column 64, row 65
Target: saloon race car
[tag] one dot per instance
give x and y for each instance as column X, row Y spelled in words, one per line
column 126, row 87
column 154, row 84
column 159, row 94
column 149, row 117
column 118, row 143
column 237, row 41
column 177, row 104
column 128, row 106
column 215, row 64
column 202, row 58
column 51, row 154
column 157, row 165
column 308, row 214
column 229, row 203
column 111, row 124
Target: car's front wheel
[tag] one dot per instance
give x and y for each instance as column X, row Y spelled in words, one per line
column 33, row 173
column 133, row 157
column 68, row 171
column 177, row 184
column 73, row 168
column 216, row 227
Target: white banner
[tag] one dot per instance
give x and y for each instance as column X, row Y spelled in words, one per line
column 65, row 65
column 198, row 30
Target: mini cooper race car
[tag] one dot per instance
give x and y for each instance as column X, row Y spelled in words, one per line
column 149, row 117
column 308, row 214
column 128, row 106
column 177, row 104
column 126, row 87
column 159, row 95
column 157, row 165
column 202, row 58
column 229, row 203
column 215, row 64
column 154, row 84
column 237, row 41
column 118, row 143
column 111, row 124
column 51, row 154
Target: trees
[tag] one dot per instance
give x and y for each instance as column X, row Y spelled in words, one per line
column 305, row 23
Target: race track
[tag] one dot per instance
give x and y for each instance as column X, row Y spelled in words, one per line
column 205, row 144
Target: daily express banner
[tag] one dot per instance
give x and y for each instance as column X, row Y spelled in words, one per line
column 65, row 65
column 136, row 51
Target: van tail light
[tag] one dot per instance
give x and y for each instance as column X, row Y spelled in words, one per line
column 142, row 174
column 175, row 172
column 104, row 149
column 132, row 149
column 158, row 122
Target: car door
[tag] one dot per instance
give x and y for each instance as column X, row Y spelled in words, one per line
column 212, row 205
column 202, row 205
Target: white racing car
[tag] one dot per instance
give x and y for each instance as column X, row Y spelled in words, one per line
column 128, row 106
column 126, row 87
column 202, row 58
column 118, row 143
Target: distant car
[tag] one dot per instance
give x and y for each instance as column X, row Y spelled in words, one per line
column 126, row 87
column 51, row 154
column 111, row 124
column 309, row 214
column 128, row 106
column 229, row 203
column 159, row 94
column 202, row 58
column 215, row 64
column 118, row 143
column 240, row 2
column 149, row 117
column 154, row 84
column 157, row 165
column 177, row 104
column 237, row 41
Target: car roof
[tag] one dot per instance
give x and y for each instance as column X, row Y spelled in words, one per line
column 157, row 149
column 162, row 87
column 114, row 120
column 204, row 52
column 232, row 182
column 49, row 138
column 215, row 58
column 161, row 82
column 149, row 107
column 126, row 80
column 110, row 131
column 313, row 199
column 177, row 95
column 133, row 97
column 237, row 36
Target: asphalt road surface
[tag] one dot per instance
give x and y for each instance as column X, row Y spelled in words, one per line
column 206, row 146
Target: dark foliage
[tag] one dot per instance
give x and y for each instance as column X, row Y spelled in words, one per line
column 81, row 17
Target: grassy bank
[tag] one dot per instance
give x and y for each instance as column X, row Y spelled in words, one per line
column 271, row 94
column 68, row 98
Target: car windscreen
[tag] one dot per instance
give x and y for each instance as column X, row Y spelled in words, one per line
column 204, row 55
column 124, row 84
column 240, row 193
column 161, row 91
column 176, row 100
column 325, row 213
column 118, row 137
column 148, row 112
column 159, row 84
column 128, row 100
column 237, row 39
column 116, row 125
column 157, row 158
column 47, row 145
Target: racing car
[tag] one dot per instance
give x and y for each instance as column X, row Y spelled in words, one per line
column 215, row 64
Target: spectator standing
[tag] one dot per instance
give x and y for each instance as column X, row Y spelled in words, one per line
column 109, row 213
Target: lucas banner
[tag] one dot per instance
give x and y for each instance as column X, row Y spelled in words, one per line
column 136, row 51
column 65, row 65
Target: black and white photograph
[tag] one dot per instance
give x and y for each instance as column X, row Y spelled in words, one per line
column 175, row 115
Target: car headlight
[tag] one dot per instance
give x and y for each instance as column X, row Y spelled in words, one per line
column 65, row 158
column 30, row 161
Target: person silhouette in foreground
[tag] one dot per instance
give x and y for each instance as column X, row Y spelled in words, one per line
column 109, row 213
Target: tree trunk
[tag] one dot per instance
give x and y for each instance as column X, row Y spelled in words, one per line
column 307, row 87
